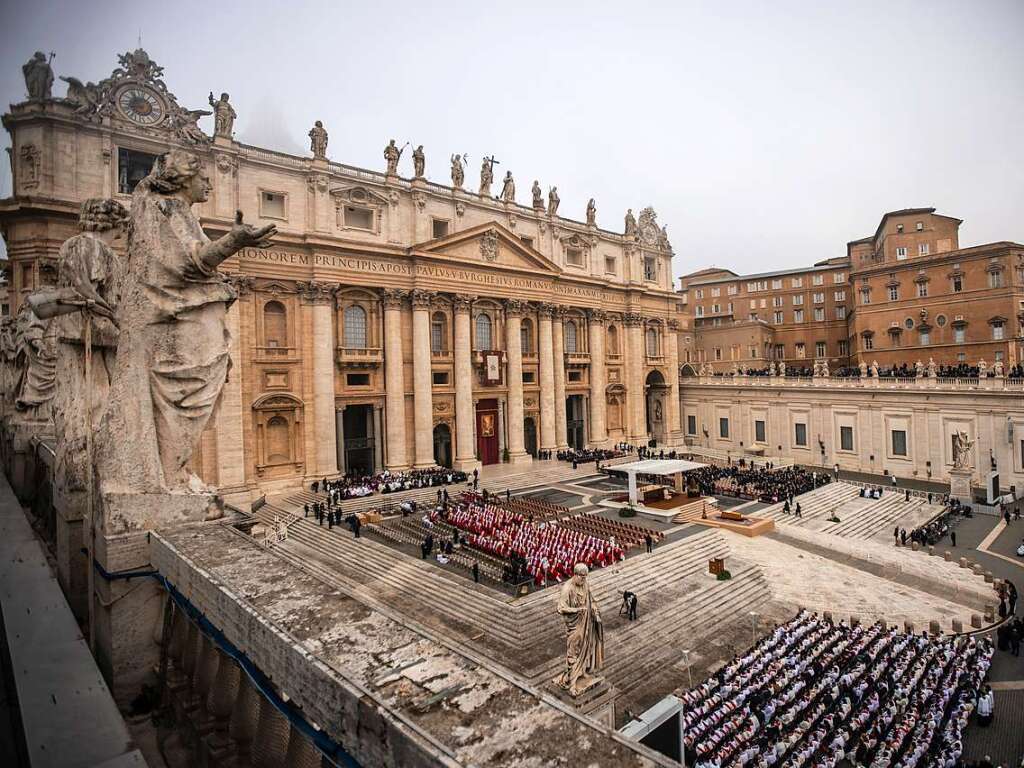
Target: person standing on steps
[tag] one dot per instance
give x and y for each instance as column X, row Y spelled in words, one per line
column 952, row 538
column 649, row 541
column 476, row 571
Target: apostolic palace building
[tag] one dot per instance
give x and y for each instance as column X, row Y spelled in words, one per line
column 397, row 322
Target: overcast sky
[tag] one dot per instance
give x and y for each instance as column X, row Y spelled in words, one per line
column 765, row 134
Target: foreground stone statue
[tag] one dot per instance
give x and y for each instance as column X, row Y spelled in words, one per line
column 584, row 647
column 172, row 353
column 962, row 445
column 35, row 362
column 88, row 276
column 38, row 77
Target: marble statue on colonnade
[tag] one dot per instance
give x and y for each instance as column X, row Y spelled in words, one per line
column 392, row 154
column 223, row 116
column 591, row 213
column 962, row 445
column 458, row 171
column 508, row 188
column 538, row 196
column 88, row 276
column 172, row 352
column 419, row 162
column 38, row 76
column 35, row 365
column 584, row 647
column 486, row 175
column 553, row 201
column 318, row 140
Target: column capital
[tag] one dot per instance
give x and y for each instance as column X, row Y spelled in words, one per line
column 632, row 319
column 545, row 310
column 596, row 315
column 515, row 307
column 312, row 292
column 673, row 324
column 462, row 302
column 243, row 284
column 422, row 299
column 392, row 298
column 560, row 311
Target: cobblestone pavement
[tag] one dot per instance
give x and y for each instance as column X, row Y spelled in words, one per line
column 1003, row 741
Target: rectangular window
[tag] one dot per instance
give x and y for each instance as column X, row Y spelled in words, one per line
column 819, row 314
column 776, row 284
column 922, row 290
column 798, row 300
column 715, row 292
column 777, row 318
column 574, row 257
column 609, row 265
column 796, row 282
column 846, row 438
column 894, row 293
column 919, row 226
column 718, row 353
column 960, row 334
column 699, row 311
column 651, row 269
column 733, row 290
column 819, row 298
column 869, row 342
column 818, row 279
column 801, row 350
column 839, row 277
column 899, row 229
column 997, row 331
column 844, row 348
column 526, row 240
column 798, row 315
column 759, row 431
column 800, row 436
column 357, row 379
column 716, row 309
column 27, row 277
column 865, row 296
column 132, row 167
column 995, row 279
column 839, row 296
column 999, row 355
column 723, row 427
column 753, row 303
column 272, row 205
column 575, row 376
column 776, row 301
column 899, row 442
column 440, row 228
column 437, row 337
column 780, row 351
column 529, row 377
column 700, row 293
column 840, row 313
column 961, row 357
column 439, row 378
column 922, row 249
column 958, row 284
column 691, row 424
column 901, row 253
column 820, row 349
column 358, row 218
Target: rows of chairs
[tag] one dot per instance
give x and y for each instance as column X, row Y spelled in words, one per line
column 537, row 510
column 627, row 535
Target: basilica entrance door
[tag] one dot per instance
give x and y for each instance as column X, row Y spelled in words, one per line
column 442, row 445
column 487, row 431
column 530, row 436
column 359, row 439
column 575, row 428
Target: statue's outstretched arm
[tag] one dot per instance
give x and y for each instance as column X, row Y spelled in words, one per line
column 241, row 236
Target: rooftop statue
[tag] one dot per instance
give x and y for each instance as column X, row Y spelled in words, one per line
column 458, row 170
column 83, row 307
column 630, row 229
column 318, row 140
column 172, row 352
column 592, row 213
column 487, row 175
column 419, row 162
column 584, row 634
column 538, row 196
column 392, row 155
column 553, row 201
column 508, row 188
column 38, row 76
column 223, row 115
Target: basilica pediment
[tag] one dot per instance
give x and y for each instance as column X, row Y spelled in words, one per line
column 488, row 245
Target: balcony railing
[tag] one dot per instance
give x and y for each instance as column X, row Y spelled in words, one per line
column 577, row 359
column 359, row 357
column 987, row 383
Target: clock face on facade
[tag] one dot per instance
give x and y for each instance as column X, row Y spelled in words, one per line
column 140, row 105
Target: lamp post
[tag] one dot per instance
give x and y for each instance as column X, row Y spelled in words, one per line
column 753, row 627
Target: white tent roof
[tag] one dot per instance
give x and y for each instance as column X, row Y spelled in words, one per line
column 657, row 467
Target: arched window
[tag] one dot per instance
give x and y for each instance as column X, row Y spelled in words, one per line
column 355, row 327
column 570, row 337
column 652, row 342
column 438, row 333
column 613, row 341
column 275, row 325
column 483, row 332
column 526, row 337
column 278, row 441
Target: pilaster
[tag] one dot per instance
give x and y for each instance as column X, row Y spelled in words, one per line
column 394, row 379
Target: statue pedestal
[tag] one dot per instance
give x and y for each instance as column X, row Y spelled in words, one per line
column 596, row 700
column 127, row 611
column 70, row 535
column 960, row 484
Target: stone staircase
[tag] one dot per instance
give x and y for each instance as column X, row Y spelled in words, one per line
column 693, row 510
column 865, row 518
column 814, row 505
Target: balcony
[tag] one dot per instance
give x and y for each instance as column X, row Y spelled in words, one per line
column 359, row 357
column 577, row 359
column 276, row 354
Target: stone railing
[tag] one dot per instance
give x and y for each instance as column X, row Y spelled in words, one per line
column 359, row 356
column 993, row 384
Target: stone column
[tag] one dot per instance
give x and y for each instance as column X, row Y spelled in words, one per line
column 301, row 752
column 548, row 433
column 271, row 742
column 394, row 379
column 465, row 449
column 598, row 379
column 229, row 424
column 423, row 396
column 558, row 365
column 635, row 376
column 320, row 296
column 244, row 718
column 514, row 351
column 674, row 432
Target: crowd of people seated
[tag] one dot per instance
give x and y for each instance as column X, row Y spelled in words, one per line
column 543, row 551
column 764, row 484
column 587, row 455
column 903, row 370
column 355, row 486
column 818, row 694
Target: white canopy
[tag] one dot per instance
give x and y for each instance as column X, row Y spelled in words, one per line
column 664, row 467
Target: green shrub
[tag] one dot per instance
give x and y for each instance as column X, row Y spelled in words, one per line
column 724, row 576
column 627, row 512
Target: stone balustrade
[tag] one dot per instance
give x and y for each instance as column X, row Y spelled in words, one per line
column 989, row 383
